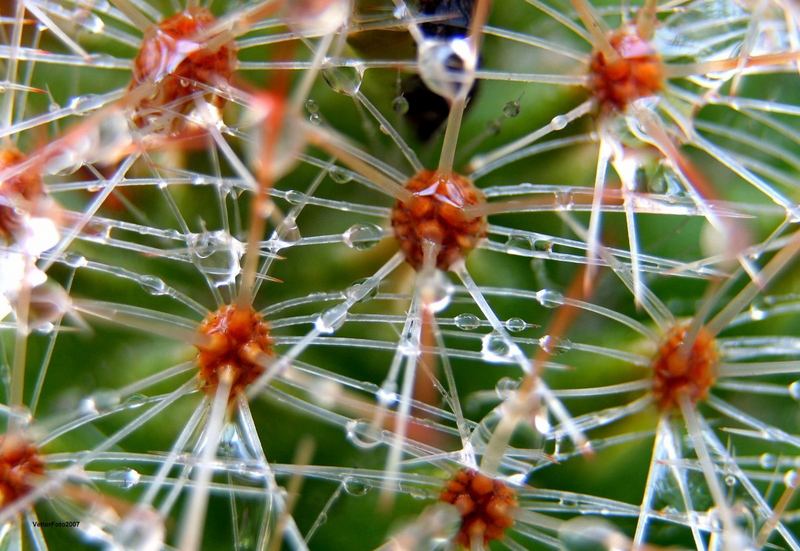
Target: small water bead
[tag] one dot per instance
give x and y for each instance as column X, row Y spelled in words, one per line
column 549, row 298
column 553, row 345
column 344, row 80
column 511, row 109
column 517, row 244
column 495, row 348
column 331, row 319
column 467, row 322
column 506, row 386
column 153, row 285
column 312, row 106
column 493, row 127
column 356, row 291
column 362, row 236
column 340, row 175
column 791, row 479
column 794, row 390
column 515, row 325
column 356, row 486
column 767, row 461
column 730, row 480
column 135, row 401
column 124, row 478
column 315, row 119
column 294, row 197
column 559, row 122
column 105, row 400
column 362, row 434
column 400, row 105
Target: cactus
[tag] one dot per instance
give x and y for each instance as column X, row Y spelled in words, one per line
column 372, row 274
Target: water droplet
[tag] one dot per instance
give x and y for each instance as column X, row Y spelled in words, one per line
column 559, row 122
column 362, row 434
column 495, row 348
column 356, row 293
column 554, row 345
column 124, row 478
column 791, row 479
column 549, row 298
column 543, row 245
column 340, row 175
column 344, row 80
column 519, row 245
column 356, row 486
column 295, row 197
column 565, row 200
column 153, row 285
column 493, row 127
column 756, row 312
column 400, row 105
column 315, row 119
column 362, row 236
column 104, row 400
column 794, row 390
column 767, row 461
column 446, row 66
column 312, row 106
column 219, row 254
column 511, row 109
column 467, row 322
column 87, row 406
column 437, row 291
column 505, row 387
column 515, row 325
column 730, row 480
column 135, row 401
column 332, row 319
column 82, row 105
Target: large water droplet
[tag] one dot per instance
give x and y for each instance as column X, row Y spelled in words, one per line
column 515, row 325
column 218, row 253
column 446, row 66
